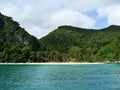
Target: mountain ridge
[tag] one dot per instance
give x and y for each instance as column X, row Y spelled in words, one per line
column 64, row 44
column 65, row 38
column 14, row 40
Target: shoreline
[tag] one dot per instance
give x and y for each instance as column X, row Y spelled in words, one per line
column 53, row 63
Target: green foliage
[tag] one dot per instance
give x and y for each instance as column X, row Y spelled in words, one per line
column 16, row 44
column 65, row 44
column 78, row 45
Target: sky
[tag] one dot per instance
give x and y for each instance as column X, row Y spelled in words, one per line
column 40, row 17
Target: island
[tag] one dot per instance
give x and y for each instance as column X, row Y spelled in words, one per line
column 64, row 44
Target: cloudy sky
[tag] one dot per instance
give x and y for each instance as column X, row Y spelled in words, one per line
column 39, row 17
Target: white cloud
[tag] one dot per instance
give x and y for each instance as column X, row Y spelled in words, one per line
column 112, row 13
column 71, row 17
column 39, row 17
column 38, row 32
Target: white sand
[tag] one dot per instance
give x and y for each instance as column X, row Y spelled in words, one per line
column 52, row 63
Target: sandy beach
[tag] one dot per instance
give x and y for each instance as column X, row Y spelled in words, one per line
column 52, row 63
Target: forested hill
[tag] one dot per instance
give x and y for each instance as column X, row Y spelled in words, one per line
column 15, row 43
column 65, row 44
column 77, row 44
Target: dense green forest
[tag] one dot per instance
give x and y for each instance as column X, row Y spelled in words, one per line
column 65, row 44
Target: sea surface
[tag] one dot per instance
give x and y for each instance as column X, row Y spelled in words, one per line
column 60, row 77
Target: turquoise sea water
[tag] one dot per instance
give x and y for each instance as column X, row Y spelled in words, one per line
column 60, row 77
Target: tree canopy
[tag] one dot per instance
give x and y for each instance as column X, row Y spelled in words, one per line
column 64, row 44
